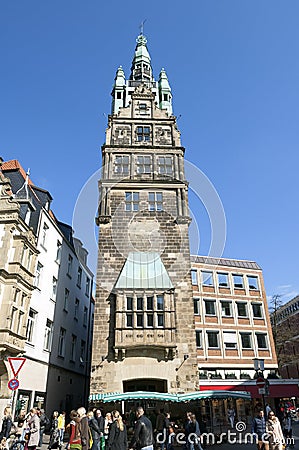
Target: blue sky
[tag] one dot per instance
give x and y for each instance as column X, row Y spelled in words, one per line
column 234, row 69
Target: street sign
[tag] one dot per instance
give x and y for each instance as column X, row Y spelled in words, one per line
column 262, row 391
column 16, row 365
column 13, row 384
column 260, row 382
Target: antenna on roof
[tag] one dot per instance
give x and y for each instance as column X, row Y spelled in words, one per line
column 25, row 185
column 141, row 26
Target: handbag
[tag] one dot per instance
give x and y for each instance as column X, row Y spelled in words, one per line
column 75, row 446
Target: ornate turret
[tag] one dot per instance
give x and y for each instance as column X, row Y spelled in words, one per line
column 165, row 97
column 119, row 90
column 141, row 69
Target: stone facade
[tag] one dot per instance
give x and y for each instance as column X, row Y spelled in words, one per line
column 17, row 263
column 143, row 210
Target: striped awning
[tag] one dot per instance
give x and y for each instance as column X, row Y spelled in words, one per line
column 165, row 397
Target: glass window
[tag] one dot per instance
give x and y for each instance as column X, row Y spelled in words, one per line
column 213, row 339
column 85, row 316
column 194, row 277
column 222, row 279
column 246, row 340
column 48, row 335
column 139, row 303
column 261, row 340
column 207, row 278
column 230, row 339
column 253, row 283
column 242, row 309
column 155, row 201
column 196, row 305
column 87, row 286
column 129, row 303
column 69, row 265
column 30, row 325
column 226, row 308
column 160, row 302
column 144, row 164
column 76, row 311
column 82, row 350
column 73, row 347
column 160, row 318
column 143, row 134
column 139, row 322
column 132, row 201
column 129, row 320
column 165, row 165
column 66, row 299
column 44, row 235
column 38, row 274
column 210, row 307
column 257, row 310
column 58, row 251
column 79, row 277
column 54, row 288
column 121, row 164
column 238, row 281
column 198, row 335
column 150, row 320
column 150, row 303
column 61, row 342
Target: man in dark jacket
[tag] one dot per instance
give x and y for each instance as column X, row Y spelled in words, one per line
column 258, row 428
column 143, row 432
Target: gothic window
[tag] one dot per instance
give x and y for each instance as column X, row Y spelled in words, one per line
column 132, row 201
column 144, row 164
column 143, row 134
column 121, row 164
column 155, row 201
column 165, row 165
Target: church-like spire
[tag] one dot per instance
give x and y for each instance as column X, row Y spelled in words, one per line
column 119, row 88
column 141, row 69
column 165, row 97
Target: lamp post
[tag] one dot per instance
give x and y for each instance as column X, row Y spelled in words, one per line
column 259, row 367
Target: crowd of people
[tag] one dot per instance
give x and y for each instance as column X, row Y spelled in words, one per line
column 273, row 432
column 93, row 431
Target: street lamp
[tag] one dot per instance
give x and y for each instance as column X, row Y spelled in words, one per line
column 259, row 367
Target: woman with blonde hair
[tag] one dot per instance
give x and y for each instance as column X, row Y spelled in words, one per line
column 117, row 439
column 274, row 431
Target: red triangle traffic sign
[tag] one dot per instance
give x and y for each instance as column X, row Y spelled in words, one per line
column 16, row 364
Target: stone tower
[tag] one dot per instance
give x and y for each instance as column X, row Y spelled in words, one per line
column 144, row 335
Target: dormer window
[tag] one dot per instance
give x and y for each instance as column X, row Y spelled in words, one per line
column 143, row 134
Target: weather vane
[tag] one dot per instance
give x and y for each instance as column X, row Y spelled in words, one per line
column 141, row 26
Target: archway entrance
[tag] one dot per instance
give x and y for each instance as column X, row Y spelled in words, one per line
column 145, row 384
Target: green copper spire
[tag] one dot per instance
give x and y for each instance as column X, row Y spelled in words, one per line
column 165, row 97
column 141, row 69
column 118, row 92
